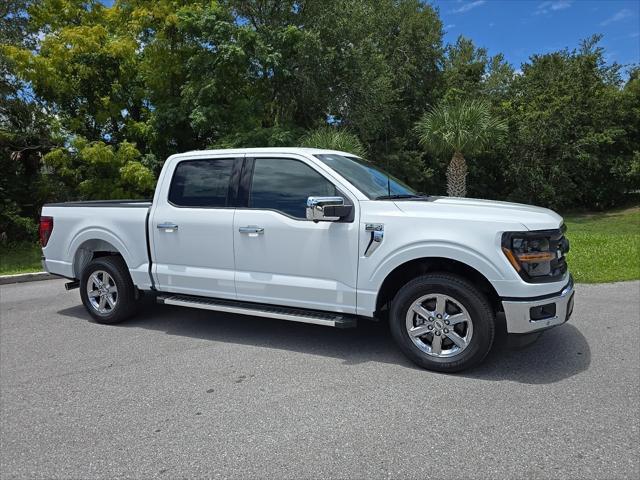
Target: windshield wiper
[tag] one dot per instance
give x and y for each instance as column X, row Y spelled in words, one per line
column 399, row 195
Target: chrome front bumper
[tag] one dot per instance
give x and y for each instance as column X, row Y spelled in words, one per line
column 552, row 310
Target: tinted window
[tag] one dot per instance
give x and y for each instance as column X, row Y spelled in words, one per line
column 201, row 183
column 284, row 185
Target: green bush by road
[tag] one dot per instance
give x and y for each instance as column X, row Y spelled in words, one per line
column 605, row 247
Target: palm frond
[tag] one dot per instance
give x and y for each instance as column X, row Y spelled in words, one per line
column 465, row 127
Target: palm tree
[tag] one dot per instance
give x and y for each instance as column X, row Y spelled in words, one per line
column 333, row 138
column 459, row 129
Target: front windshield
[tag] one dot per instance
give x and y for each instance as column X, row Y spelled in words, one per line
column 373, row 182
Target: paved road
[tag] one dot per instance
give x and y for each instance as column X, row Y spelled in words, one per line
column 186, row 393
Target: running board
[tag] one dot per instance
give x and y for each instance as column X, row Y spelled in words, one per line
column 329, row 319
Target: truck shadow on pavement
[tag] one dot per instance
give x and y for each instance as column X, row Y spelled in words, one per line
column 554, row 356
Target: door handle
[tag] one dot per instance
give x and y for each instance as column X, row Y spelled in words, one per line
column 168, row 227
column 251, row 229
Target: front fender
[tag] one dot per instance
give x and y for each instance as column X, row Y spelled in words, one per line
column 370, row 281
column 461, row 253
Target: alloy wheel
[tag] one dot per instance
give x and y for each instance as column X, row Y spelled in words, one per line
column 439, row 325
column 102, row 292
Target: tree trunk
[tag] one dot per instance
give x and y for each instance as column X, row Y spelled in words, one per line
column 457, row 176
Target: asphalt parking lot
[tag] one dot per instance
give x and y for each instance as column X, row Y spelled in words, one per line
column 189, row 393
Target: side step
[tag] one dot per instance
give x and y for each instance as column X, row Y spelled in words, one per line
column 329, row 319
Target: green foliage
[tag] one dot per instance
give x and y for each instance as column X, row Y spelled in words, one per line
column 93, row 98
column 98, row 170
column 464, row 69
column 275, row 136
column 84, row 69
column 138, row 177
column 573, row 130
column 465, row 126
column 334, row 139
column 27, row 131
column 15, row 226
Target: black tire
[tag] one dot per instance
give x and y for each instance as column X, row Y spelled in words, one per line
column 464, row 293
column 125, row 300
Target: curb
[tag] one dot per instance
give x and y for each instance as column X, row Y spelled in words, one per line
column 26, row 277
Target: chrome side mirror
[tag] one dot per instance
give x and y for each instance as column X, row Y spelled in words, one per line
column 327, row 209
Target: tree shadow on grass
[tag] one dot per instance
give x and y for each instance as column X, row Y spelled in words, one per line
column 556, row 355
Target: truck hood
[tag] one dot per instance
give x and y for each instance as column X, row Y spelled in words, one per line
column 531, row 217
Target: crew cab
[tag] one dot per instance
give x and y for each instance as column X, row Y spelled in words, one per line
column 322, row 237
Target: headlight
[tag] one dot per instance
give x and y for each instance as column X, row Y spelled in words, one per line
column 537, row 256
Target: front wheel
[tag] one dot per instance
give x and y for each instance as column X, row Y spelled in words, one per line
column 442, row 322
column 107, row 291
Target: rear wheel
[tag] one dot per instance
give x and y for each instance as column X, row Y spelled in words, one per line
column 107, row 291
column 442, row 322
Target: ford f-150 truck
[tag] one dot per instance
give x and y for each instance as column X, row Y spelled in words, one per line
column 322, row 237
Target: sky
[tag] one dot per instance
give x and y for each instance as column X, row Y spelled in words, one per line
column 520, row 28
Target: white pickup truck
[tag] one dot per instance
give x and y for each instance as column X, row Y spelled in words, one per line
column 322, row 237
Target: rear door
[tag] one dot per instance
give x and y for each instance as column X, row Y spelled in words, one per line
column 281, row 257
column 192, row 228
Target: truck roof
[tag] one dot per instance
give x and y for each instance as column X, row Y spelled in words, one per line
column 241, row 151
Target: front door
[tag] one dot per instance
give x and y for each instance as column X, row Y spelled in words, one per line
column 192, row 229
column 281, row 257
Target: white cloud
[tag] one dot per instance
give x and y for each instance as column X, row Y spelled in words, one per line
column 634, row 35
column 468, row 6
column 450, row 26
column 552, row 6
column 616, row 17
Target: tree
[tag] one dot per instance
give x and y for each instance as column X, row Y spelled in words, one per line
column 83, row 68
column 100, row 171
column 464, row 68
column 27, row 131
column 460, row 128
column 333, row 138
column 110, row 89
column 573, row 130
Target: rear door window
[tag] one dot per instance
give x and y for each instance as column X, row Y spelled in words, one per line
column 201, row 183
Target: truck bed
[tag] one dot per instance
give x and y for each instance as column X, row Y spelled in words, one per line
column 80, row 228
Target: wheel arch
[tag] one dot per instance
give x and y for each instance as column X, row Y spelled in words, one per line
column 411, row 269
column 85, row 250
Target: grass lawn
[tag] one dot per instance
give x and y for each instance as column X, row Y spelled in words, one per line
column 605, row 247
column 20, row 258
